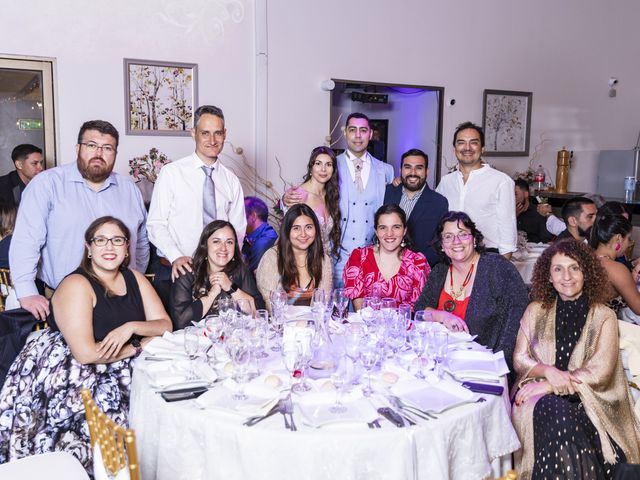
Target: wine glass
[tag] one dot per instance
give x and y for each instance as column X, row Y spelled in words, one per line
column 262, row 329
column 352, row 339
column 226, row 306
column 369, row 310
column 404, row 313
column 440, row 344
column 214, row 328
column 387, row 307
column 418, row 339
column 243, row 306
column 369, row 355
column 337, row 377
column 304, row 341
column 191, row 336
column 239, row 352
column 318, row 300
column 340, row 301
column 291, row 357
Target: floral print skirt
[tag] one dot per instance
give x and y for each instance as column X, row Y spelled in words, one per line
column 41, row 407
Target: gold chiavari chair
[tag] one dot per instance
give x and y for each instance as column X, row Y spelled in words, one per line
column 117, row 444
column 5, row 285
column 511, row 475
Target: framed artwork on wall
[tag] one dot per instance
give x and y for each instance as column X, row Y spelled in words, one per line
column 506, row 120
column 159, row 97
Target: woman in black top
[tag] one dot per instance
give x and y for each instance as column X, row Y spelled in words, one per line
column 101, row 315
column 218, row 272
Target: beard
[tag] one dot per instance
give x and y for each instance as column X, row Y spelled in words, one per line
column 584, row 233
column 417, row 186
column 97, row 172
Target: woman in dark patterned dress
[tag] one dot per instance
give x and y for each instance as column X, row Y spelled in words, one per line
column 100, row 317
column 572, row 406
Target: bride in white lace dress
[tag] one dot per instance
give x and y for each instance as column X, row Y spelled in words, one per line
column 320, row 190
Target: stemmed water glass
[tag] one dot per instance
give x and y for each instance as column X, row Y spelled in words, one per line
column 304, row 340
column 261, row 328
column 226, row 307
column 278, row 301
column 418, row 339
column 340, row 301
column 440, row 341
column 369, row 310
column 239, row 352
column 338, row 379
column 291, row 357
column 318, row 300
column 387, row 307
column 191, row 336
column 352, row 340
column 369, row 355
column 214, row 328
column 404, row 313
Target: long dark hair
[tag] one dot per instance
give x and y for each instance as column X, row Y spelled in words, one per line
column 332, row 196
column 86, row 264
column 458, row 218
column 315, row 254
column 390, row 209
column 201, row 258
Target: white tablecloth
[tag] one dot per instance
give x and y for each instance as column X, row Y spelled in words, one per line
column 180, row 441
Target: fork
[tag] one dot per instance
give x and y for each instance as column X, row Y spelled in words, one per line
column 477, row 400
column 288, row 409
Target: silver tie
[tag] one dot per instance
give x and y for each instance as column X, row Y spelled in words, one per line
column 208, row 197
column 357, row 163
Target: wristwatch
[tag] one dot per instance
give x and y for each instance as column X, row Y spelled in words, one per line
column 232, row 289
column 135, row 343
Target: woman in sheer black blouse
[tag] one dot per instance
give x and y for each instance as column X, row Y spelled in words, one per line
column 218, row 272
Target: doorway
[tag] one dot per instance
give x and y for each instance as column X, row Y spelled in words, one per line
column 26, row 108
column 402, row 117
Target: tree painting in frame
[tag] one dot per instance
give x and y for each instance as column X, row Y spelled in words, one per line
column 160, row 97
column 506, row 120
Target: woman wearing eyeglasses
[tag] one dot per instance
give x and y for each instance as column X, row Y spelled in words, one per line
column 101, row 316
column 473, row 290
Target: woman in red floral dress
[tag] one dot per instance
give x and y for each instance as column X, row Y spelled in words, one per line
column 387, row 269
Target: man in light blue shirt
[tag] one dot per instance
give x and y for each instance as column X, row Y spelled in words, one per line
column 57, row 207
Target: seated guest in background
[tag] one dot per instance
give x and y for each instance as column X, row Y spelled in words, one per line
column 610, row 237
column 389, row 268
column 297, row 263
column 527, row 216
column 572, row 410
column 58, row 206
column 617, row 208
column 260, row 235
column 7, row 222
column 578, row 213
column 473, row 290
column 424, row 207
column 102, row 315
column 218, row 272
column 28, row 161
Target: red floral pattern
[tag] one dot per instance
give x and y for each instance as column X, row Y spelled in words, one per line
column 361, row 275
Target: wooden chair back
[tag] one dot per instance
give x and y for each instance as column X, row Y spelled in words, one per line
column 5, row 285
column 117, row 444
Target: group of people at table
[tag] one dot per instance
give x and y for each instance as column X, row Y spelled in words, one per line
column 346, row 226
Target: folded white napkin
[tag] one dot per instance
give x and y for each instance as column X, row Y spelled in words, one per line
column 476, row 364
column 258, row 402
column 171, row 374
column 433, row 395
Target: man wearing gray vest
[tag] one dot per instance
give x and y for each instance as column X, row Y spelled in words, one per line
column 363, row 179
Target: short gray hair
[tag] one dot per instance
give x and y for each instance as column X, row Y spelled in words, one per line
column 207, row 109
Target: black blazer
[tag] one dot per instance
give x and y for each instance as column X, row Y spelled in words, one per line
column 11, row 188
column 496, row 305
column 424, row 219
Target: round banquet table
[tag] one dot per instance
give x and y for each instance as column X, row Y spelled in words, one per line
column 179, row 440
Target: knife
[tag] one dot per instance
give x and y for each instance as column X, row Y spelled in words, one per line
column 392, row 416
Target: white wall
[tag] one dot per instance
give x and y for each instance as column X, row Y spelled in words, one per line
column 90, row 39
column 563, row 52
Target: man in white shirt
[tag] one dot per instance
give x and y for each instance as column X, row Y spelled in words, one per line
column 189, row 194
column 483, row 193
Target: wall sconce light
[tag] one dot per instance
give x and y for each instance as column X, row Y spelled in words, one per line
column 613, row 81
column 327, row 85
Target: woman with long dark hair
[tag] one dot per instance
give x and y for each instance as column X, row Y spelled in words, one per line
column 298, row 262
column 610, row 238
column 389, row 267
column 322, row 193
column 101, row 316
column 572, row 406
column 218, row 272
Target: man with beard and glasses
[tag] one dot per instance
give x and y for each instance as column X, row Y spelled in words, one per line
column 484, row 193
column 424, row 207
column 57, row 207
column 579, row 214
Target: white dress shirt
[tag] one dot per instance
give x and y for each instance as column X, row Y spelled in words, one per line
column 175, row 219
column 555, row 226
column 366, row 167
column 488, row 198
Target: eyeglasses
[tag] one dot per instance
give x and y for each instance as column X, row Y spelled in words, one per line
column 93, row 147
column 115, row 241
column 450, row 237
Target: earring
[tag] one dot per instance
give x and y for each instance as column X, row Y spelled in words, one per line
column 89, row 255
column 126, row 255
column 403, row 243
column 617, row 247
